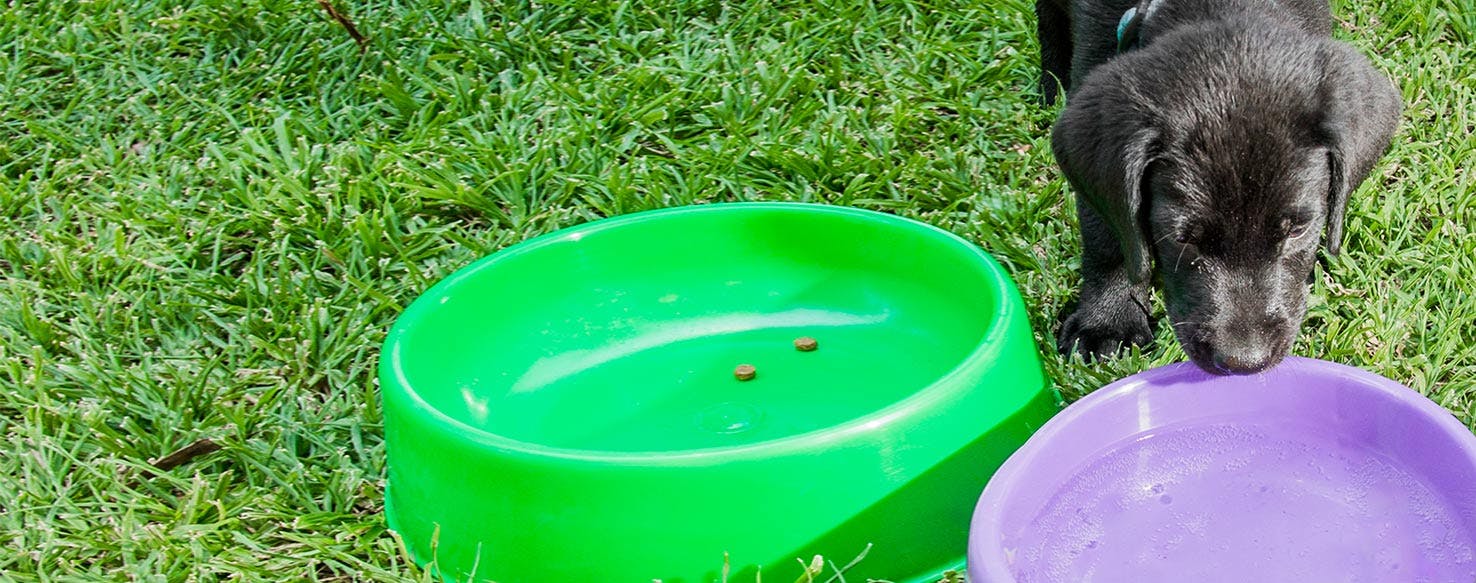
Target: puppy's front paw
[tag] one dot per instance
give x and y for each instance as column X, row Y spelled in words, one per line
column 1104, row 329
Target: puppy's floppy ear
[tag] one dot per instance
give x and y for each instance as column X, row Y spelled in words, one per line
column 1104, row 143
column 1361, row 111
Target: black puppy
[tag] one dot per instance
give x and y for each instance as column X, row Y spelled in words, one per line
column 1214, row 139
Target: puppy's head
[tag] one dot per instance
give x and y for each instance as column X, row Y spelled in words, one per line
column 1233, row 217
column 1222, row 157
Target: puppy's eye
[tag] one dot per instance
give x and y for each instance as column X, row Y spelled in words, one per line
column 1295, row 228
column 1186, row 237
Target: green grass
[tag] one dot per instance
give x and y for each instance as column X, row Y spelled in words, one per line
column 213, row 209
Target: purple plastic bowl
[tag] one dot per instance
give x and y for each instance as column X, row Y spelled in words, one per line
column 1312, row 471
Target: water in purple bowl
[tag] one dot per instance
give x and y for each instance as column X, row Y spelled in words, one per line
column 1312, row 471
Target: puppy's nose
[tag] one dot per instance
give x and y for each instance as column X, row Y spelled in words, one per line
column 1244, row 357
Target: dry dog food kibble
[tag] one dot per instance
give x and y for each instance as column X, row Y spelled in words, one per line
column 745, row 372
column 805, row 344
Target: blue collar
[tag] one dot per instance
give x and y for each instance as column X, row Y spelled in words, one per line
column 1131, row 23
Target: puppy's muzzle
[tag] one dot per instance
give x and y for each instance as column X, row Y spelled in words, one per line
column 1248, row 348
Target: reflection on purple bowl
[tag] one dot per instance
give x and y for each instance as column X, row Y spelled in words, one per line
column 1312, row 471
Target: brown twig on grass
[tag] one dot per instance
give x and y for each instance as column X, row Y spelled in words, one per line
column 347, row 24
column 183, row 455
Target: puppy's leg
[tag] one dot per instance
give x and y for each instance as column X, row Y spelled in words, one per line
column 1111, row 311
column 1053, row 30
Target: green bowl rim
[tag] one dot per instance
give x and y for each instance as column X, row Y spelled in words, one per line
column 990, row 344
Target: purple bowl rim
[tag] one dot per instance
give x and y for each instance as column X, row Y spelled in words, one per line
column 993, row 569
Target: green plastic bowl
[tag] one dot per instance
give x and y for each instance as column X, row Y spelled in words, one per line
column 567, row 409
